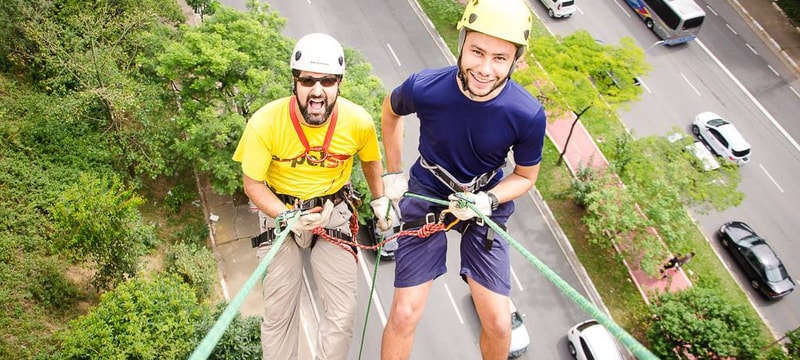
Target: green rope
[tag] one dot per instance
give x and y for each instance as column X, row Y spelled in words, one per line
column 629, row 341
column 369, row 298
column 203, row 351
column 372, row 288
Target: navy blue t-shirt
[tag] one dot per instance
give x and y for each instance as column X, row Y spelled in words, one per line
column 469, row 138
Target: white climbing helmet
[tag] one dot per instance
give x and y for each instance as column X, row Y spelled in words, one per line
column 319, row 53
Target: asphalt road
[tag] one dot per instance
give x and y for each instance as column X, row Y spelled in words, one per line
column 731, row 71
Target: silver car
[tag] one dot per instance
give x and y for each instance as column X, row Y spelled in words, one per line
column 722, row 137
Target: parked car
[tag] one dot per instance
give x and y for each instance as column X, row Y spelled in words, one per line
column 520, row 339
column 760, row 263
column 590, row 340
column 722, row 137
column 559, row 8
column 705, row 157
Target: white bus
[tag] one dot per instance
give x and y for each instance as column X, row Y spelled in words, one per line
column 674, row 21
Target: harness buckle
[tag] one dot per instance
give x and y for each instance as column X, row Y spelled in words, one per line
column 430, row 218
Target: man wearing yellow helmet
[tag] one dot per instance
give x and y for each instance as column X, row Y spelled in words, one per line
column 471, row 115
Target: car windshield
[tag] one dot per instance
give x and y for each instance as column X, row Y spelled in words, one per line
column 776, row 274
column 716, row 122
column 516, row 320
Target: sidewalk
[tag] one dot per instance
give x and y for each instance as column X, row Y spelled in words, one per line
column 772, row 25
column 582, row 151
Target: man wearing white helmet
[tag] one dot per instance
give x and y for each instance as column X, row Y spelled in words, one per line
column 471, row 115
column 297, row 154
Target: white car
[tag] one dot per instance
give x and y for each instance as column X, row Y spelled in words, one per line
column 520, row 339
column 722, row 137
column 707, row 159
column 591, row 340
column 559, row 8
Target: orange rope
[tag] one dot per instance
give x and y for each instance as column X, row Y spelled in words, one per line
column 423, row 232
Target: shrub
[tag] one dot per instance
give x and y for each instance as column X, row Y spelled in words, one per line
column 177, row 196
column 140, row 319
column 242, row 338
column 194, row 264
column 49, row 286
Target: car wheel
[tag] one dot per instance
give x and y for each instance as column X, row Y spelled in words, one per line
column 724, row 242
column 649, row 24
column 696, row 132
column 551, row 13
column 572, row 350
column 755, row 284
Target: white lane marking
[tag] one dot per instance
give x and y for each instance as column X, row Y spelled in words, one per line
column 645, row 86
column 375, row 299
column 771, row 178
column 773, row 70
column 393, row 54
column 794, row 91
column 753, row 50
column 750, row 96
column 453, row 301
column 624, row 10
column 310, row 336
column 690, row 84
column 731, row 29
column 712, row 10
column 516, row 279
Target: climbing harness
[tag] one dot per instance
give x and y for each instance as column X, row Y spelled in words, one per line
column 325, row 158
column 452, row 183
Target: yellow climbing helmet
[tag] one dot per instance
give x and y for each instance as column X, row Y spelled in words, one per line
column 509, row 20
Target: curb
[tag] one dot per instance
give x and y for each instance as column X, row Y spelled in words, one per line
column 776, row 48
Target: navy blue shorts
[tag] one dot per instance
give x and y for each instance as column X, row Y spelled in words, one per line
column 419, row 260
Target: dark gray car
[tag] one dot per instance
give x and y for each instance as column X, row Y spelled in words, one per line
column 760, row 263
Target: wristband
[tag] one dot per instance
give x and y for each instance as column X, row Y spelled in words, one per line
column 495, row 202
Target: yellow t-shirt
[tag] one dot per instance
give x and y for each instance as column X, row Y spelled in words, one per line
column 270, row 147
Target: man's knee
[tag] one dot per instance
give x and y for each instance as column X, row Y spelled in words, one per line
column 498, row 327
column 404, row 317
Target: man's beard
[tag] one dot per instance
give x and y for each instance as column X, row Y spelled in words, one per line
column 317, row 119
column 464, row 77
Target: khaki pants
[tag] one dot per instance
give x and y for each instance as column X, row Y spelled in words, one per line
column 335, row 273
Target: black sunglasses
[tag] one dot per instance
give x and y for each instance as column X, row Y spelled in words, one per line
column 309, row 81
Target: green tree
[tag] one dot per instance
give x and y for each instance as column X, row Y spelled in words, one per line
column 699, row 322
column 223, row 70
column 97, row 220
column 793, row 347
column 580, row 75
column 611, row 213
column 204, row 7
